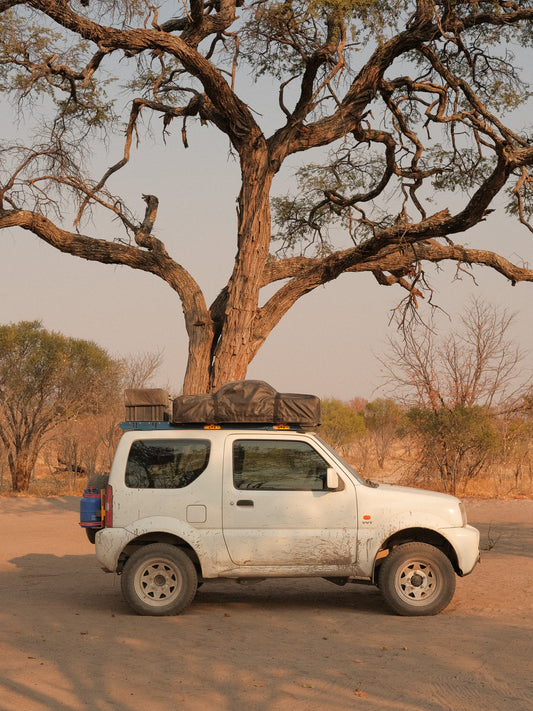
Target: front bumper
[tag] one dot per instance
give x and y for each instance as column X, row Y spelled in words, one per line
column 465, row 542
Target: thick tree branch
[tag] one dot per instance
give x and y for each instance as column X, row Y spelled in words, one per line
column 154, row 261
column 347, row 117
column 397, row 259
column 423, row 29
column 232, row 115
column 136, row 108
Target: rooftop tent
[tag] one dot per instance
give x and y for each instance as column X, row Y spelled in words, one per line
column 247, row 401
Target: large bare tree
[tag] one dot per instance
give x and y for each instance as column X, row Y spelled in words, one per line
column 413, row 99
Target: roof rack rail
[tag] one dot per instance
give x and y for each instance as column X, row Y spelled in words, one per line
column 146, row 426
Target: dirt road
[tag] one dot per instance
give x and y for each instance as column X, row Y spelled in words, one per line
column 67, row 640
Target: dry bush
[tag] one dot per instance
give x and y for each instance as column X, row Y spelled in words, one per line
column 512, row 478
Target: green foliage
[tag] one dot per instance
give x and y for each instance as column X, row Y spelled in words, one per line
column 464, row 170
column 47, row 379
column 352, row 169
column 383, row 413
column 520, row 201
column 123, row 13
column 459, row 427
column 455, row 443
column 341, row 425
column 44, row 72
column 50, row 370
column 383, row 419
column 21, row 45
column 278, row 37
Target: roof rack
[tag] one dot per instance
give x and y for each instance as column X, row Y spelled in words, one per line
column 145, row 426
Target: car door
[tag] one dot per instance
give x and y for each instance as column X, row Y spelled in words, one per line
column 277, row 509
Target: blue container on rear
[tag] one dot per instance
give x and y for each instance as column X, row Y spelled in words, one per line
column 91, row 509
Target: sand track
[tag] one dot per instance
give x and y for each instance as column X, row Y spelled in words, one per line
column 68, row 641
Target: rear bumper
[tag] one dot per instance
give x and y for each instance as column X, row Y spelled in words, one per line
column 109, row 544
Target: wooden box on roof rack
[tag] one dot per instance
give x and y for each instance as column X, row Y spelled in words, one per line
column 147, row 405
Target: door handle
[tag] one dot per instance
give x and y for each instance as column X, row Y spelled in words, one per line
column 245, row 502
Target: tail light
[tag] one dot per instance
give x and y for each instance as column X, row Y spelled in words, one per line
column 108, row 507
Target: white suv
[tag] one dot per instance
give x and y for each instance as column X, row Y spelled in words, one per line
column 185, row 505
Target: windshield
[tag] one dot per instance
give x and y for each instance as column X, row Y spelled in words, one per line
column 337, row 456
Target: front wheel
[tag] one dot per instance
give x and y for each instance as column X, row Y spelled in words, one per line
column 159, row 579
column 417, row 579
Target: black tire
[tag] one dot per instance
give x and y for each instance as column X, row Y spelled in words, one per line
column 98, row 481
column 91, row 534
column 159, row 579
column 417, row 579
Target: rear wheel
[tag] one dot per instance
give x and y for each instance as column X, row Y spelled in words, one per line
column 91, row 534
column 417, row 579
column 159, row 579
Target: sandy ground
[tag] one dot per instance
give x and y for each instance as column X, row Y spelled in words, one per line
column 68, row 641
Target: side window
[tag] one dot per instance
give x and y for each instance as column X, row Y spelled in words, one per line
column 277, row 465
column 166, row 463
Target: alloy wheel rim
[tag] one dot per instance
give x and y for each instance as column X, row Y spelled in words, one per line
column 158, row 582
column 416, row 582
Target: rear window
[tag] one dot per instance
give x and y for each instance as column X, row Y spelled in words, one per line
column 166, row 464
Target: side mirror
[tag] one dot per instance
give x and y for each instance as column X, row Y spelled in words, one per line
column 332, row 479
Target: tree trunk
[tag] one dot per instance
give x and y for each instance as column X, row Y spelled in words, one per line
column 233, row 338
column 21, row 465
column 197, row 374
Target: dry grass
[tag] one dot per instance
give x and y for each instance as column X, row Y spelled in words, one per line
column 497, row 482
column 44, row 484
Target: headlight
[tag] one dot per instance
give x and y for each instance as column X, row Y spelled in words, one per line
column 463, row 512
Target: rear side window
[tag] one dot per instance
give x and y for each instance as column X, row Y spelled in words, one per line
column 166, row 463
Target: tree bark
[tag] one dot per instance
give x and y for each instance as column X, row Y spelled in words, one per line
column 237, row 341
column 21, row 466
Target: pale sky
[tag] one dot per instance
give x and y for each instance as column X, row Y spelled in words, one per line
column 326, row 345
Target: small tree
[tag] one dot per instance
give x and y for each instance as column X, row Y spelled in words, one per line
column 383, row 418
column 456, row 443
column 342, row 427
column 477, row 364
column 46, row 379
column 512, row 465
column 454, row 387
column 138, row 370
column 87, row 446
